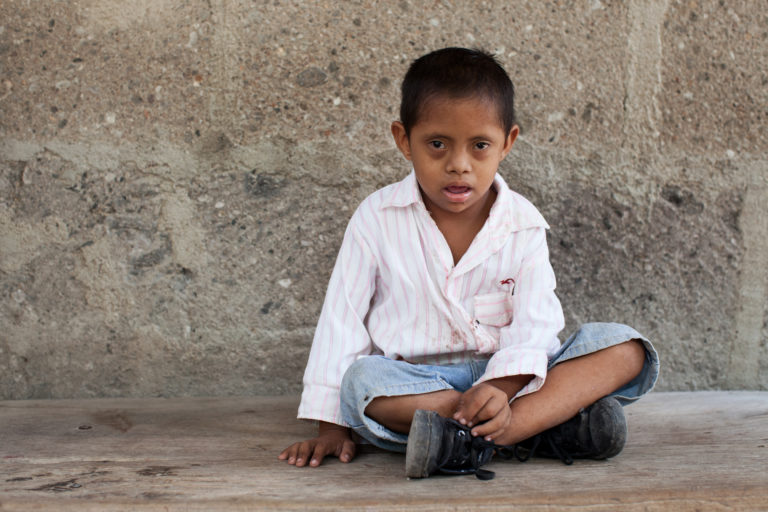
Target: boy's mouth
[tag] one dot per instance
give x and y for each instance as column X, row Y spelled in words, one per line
column 457, row 193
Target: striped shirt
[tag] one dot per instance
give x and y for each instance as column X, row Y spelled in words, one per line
column 396, row 291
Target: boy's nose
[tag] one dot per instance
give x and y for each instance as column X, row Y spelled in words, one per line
column 459, row 162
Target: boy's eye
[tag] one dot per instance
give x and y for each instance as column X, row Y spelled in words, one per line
column 436, row 144
column 481, row 145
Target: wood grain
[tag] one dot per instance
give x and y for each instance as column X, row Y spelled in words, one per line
column 686, row 451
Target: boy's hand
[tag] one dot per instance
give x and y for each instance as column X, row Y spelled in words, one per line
column 485, row 408
column 331, row 440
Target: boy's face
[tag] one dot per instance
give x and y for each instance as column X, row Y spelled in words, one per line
column 455, row 147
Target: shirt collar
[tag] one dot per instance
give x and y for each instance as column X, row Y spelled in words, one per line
column 510, row 211
column 403, row 193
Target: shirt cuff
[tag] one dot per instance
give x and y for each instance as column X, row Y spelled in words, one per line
column 321, row 403
column 519, row 362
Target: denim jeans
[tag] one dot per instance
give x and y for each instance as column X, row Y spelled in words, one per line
column 374, row 376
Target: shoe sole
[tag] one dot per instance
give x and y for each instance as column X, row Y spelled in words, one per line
column 424, row 442
column 607, row 411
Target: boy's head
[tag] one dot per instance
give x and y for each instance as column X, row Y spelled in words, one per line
column 456, row 73
column 457, row 125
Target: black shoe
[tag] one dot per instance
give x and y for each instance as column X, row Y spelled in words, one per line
column 596, row 432
column 443, row 445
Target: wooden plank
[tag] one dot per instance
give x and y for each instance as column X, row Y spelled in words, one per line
column 686, row 451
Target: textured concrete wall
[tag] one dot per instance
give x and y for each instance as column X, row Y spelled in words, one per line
column 176, row 175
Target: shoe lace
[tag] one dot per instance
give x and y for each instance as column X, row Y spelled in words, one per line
column 468, row 453
column 559, row 451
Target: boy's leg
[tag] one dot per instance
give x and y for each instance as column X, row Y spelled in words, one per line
column 396, row 412
column 573, row 385
column 379, row 395
column 599, row 360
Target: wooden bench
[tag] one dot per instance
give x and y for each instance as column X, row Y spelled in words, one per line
column 686, row 451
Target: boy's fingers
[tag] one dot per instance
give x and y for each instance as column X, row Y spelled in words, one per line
column 319, row 453
column 479, row 404
column 344, row 451
column 469, row 407
column 288, row 453
column 492, row 436
column 488, row 411
column 485, row 428
column 347, row 451
column 312, row 451
column 495, row 425
column 489, row 427
column 317, row 457
column 304, row 452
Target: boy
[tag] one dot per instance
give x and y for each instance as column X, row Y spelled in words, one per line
column 438, row 335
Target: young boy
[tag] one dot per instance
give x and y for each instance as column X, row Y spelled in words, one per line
column 438, row 335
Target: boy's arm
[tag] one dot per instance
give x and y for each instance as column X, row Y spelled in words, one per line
column 511, row 385
column 341, row 335
column 520, row 365
column 525, row 343
column 331, row 439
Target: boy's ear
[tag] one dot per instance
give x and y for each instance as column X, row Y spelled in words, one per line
column 401, row 139
column 511, row 137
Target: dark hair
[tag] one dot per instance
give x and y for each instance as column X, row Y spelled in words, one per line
column 456, row 73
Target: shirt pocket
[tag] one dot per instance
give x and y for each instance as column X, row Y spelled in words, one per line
column 493, row 309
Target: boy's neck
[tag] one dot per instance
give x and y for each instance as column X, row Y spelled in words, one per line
column 460, row 229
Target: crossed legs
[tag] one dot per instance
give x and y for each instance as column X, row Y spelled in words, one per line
column 570, row 386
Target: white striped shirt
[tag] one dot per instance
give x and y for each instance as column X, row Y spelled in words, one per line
column 395, row 291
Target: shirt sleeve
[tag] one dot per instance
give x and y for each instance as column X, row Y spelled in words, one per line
column 525, row 344
column 341, row 335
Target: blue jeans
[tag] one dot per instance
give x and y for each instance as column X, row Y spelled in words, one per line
column 374, row 376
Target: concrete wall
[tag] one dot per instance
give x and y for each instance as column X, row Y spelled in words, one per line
column 176, row 175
